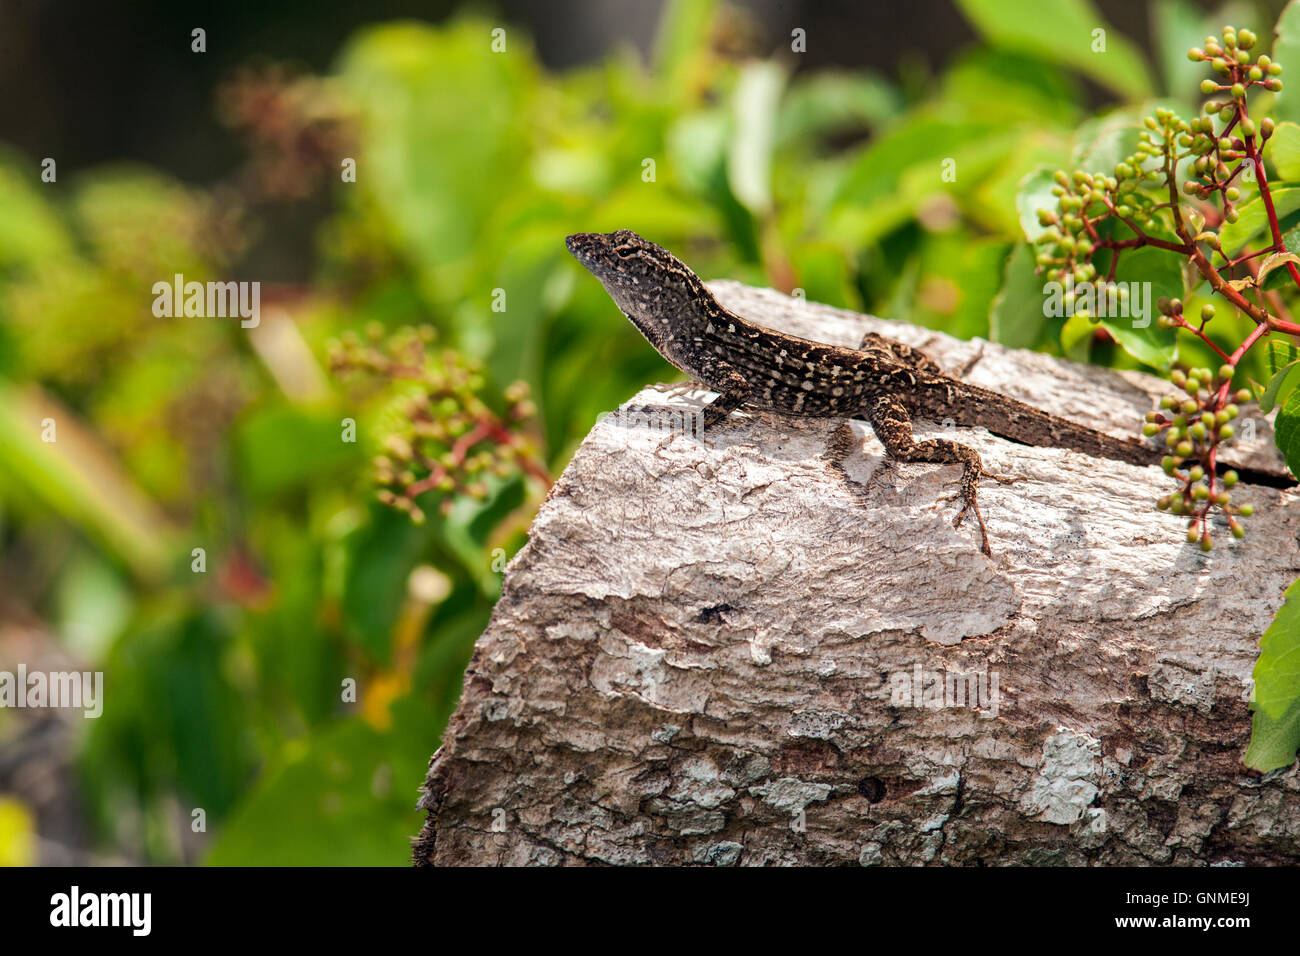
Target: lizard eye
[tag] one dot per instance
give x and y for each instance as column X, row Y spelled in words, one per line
column 624, row 252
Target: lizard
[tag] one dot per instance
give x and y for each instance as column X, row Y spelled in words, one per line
column 884, row 381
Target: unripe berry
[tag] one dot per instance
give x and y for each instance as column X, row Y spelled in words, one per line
column 1208, row 86
column 1206, row 543
column 1207, row 312
column 1243, row 395
column 1193, row 535
column 1247, row 510
column 1246, row 39
column 1230, row 478
column 1226, row 432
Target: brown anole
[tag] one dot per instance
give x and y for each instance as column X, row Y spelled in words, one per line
column 885, row 381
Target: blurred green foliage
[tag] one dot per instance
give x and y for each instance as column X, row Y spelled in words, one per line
column 224, row 688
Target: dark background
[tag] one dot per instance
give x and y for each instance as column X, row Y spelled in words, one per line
column 92, row 81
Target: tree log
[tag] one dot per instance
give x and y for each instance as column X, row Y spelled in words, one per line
column 719, row 651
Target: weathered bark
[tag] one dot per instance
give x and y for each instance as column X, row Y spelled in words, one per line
column 699, row 656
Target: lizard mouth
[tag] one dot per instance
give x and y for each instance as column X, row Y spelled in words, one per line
column 583, row 245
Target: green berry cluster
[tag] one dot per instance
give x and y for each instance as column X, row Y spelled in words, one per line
column 445, row 438
column 1193, row 428
column 1231, row 59
column 1070, row 237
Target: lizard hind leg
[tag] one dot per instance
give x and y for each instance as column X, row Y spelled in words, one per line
column 893, row 426
column 899, row 352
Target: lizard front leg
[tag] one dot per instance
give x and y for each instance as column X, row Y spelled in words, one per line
column 732, row 393
column 893, row 426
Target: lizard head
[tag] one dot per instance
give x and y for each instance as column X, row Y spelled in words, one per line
column 654, row 289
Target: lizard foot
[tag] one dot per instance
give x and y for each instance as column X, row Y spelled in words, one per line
column 969, row 504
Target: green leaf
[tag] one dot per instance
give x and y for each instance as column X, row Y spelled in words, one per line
column 681, row 45
column 1178, row 25
column 377, row 558
column 1275, row 727
column 1140, row 336
column 1035, row 194
column 1101, row 142
column 342, row 802
column 1284, row 150
column 79, row 478
column 280, row 448
column 749, row 154
column 33, row 232
column 1281, row 354
column 1252, row 219
column 1282, row 357
column 1286, row 432
column 1064, row 32
column 1010, row 87
column 1270, row 395
column 1076, row 338
column 830, row 102
column 1271, row 263
column 1017, row 318
column 1286, row 50
column 430, row 154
